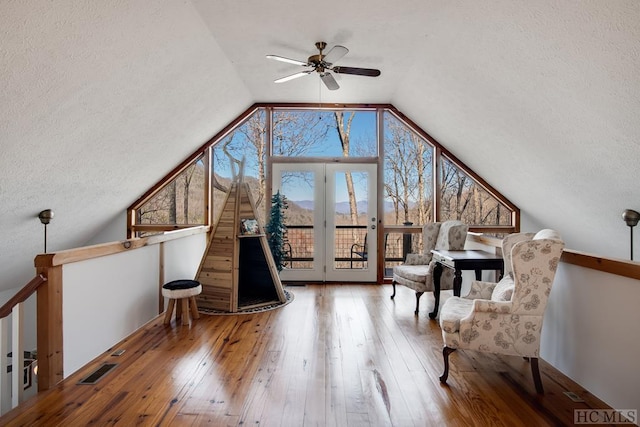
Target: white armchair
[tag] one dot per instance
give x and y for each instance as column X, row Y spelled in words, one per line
column 506, row 317
column 417, row 271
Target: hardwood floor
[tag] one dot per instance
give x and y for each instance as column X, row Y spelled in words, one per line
column 338, row 355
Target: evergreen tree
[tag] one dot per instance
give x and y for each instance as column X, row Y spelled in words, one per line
column 277, row 230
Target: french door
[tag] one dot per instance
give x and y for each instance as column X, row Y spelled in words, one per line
column 331, row 220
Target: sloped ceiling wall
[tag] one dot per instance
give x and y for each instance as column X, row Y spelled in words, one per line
column 543, row 103
column 101, row 99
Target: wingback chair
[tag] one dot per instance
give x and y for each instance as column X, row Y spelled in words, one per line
column 417, row 271
column 506, row 317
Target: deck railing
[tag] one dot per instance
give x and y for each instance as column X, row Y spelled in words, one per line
column 398, row 241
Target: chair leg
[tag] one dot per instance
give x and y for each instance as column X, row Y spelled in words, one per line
column 169, row 311
column 535, row 371
column 418, row 295
column 394, row 289
column 446, row 351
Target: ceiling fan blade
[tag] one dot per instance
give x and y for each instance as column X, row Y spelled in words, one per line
column 293, row 76
column 329, row 81
column 335, row 54
column 370, row 72
column 287, row 60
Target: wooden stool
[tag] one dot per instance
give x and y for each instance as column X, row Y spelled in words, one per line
column 183, row 291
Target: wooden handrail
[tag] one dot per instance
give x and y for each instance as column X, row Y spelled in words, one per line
column 49, row 298
column 103, row 249
column 24, row 293
column 620, row 267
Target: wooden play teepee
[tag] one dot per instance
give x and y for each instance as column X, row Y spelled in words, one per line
column 237, row 271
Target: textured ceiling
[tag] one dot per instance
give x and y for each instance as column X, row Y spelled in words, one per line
column 101, row 99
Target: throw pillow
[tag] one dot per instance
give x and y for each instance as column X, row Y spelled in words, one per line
column 417, row 259
column 503, row 290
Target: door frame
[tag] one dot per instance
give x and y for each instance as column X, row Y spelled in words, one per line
column 316, row 164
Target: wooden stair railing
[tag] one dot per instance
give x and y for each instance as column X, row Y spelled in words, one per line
column 14, row 307
column 49, row 310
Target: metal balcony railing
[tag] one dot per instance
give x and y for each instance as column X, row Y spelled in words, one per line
column 351, row 244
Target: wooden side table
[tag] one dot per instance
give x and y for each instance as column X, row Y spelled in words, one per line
column 461, row 260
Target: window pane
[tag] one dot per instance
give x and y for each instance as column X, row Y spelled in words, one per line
column 317, row 133
column 408, row 175
column 246, row 143
column 299, row 186
column 465, row 200
column 181, row 201
column 351, row 228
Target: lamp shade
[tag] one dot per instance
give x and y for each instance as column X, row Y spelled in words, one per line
column 631, row 217
column 46, row 216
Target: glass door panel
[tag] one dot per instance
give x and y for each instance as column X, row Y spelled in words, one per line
column 303, row 186
column 331, row 221
column 351, row 212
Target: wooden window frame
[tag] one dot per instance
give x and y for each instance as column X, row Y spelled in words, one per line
column 205, row 151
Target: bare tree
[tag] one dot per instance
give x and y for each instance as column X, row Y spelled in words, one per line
column 408, row 159
column 344, row 132
column 463, row 199
column 187, row 176
column 255, row 132
column 295, row 133
column 171, row 188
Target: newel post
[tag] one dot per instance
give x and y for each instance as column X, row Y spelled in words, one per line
column 49, row 324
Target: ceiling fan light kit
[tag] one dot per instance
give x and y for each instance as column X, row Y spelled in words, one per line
column 322, row 64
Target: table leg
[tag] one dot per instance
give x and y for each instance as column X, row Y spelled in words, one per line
column 457, row 282
column 437, row 274
column 478, row 274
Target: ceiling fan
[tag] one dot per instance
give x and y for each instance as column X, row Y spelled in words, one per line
column 322, row 64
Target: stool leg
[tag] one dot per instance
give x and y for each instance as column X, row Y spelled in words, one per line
column 178, row 309
column 194, row 308
column 185, row 310
column 169, row 311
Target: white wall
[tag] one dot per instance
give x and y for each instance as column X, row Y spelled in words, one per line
column 106, row 299
column 113, row 231
column 182, row 257
column 591, row 334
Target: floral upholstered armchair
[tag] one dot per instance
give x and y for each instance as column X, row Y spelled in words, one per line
column 417, row 271
column 506, row 317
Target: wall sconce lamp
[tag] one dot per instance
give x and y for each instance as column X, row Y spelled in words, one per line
column 45, row 217
column 631, row 217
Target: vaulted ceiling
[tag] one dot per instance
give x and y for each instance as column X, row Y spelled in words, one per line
column 102, row 99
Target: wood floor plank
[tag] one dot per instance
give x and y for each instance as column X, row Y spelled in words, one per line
column 338, row 355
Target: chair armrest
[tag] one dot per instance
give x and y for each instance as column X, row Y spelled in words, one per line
column 480, row 290
column 488, row 306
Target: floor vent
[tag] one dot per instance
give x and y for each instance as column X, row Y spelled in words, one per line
column 97, row 375
column 573, row 396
